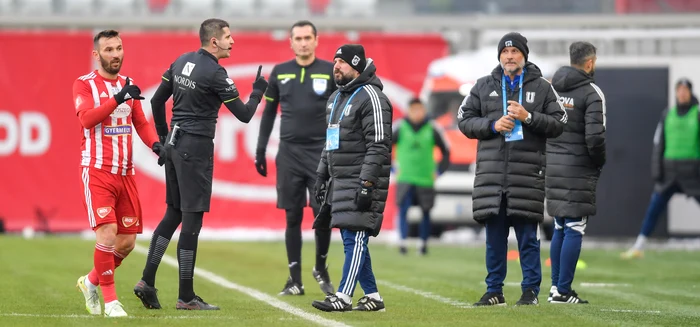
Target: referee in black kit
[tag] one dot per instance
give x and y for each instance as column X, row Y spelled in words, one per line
column 301, row 87
column 198, row 85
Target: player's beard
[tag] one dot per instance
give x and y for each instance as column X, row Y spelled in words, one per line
column 107, row 66
column 345, row 78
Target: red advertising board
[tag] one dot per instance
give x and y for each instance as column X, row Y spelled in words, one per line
column 40, row 134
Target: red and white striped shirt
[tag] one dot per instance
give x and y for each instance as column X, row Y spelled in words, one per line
column 107, row 127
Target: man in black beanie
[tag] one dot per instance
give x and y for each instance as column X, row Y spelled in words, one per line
column 511, row 112
column 353, row 174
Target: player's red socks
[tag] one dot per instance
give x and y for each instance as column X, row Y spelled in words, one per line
column 118, row 257
column 93, row 277
column 104, row 266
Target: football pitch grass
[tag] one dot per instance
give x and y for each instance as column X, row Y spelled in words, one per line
column 38, row 276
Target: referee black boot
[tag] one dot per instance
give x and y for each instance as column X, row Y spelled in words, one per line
column 292, row 288
column 324, row 281
column 196, row 304
column 147, row 294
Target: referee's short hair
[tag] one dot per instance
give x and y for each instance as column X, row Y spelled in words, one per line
column 106, row 34
column 303, row 23
column 212, row 27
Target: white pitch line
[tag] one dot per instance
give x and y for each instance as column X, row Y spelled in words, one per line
column 604, row 285
column 427, row 295
column 631, row 311
column 75, row 316
column 258, row 295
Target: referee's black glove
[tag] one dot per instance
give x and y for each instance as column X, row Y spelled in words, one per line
column 260, row 84
column 261, row 163
column 160, row 151
column 129, row 91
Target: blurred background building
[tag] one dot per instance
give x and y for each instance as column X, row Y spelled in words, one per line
column 435, row 49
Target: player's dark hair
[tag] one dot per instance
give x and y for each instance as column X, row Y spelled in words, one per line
column 580, row 52
column 212, row 27
column 303, row 23
column 414, row 101
column 106, row 34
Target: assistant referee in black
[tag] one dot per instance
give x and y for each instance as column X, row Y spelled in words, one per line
column 301, row 87
column 198, row 85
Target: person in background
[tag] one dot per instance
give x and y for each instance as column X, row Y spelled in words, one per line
column 416, row 138
column 675, row 160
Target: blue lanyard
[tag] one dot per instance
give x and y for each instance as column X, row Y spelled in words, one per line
column 342, row 114
column 503, row 90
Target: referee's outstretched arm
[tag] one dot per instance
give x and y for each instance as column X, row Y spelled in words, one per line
column 228, row 93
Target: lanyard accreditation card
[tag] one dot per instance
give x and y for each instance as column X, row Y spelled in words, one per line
column 333, row 130
column 516, row 134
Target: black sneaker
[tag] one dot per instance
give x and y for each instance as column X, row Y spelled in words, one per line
column 147, row 294
column 570, row 297
column 403, row 250
column 528, row 298
column 367, row 303
column 423, row 250
column 332, row 303
column 323, row 280
column 196, row 304
column 491, row 299
column 292, row 288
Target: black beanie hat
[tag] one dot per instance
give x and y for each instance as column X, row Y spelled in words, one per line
column 686, row 82
column 513, row 39
column 354, row 55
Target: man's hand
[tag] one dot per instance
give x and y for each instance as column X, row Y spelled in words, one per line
column 261, row 164
column 504, row 124
column 160, row 151
column 320, row 190
column 129, row 91
column 260, row 83
column 516, row 111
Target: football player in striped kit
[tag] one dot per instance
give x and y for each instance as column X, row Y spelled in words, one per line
column 108, row 106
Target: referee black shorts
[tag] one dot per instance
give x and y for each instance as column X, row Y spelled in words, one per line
column 296, row 174
column 189, row 169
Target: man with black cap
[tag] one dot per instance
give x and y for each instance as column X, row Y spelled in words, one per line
column 675, row 160
column 353, row 174
column 511, row 112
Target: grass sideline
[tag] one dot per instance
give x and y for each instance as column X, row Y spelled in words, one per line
column 38, row 280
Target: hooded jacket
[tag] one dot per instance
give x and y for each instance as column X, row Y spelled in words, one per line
column 364, row 152
column 514, row 169
column 685, row 173
column 576, row 157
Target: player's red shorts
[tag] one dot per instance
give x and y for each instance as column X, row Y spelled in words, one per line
column 111, row 199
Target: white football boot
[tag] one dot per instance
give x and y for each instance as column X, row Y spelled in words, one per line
column 92, row 299
column 114, row 309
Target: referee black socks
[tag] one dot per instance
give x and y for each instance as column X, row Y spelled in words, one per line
column 159, row 243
